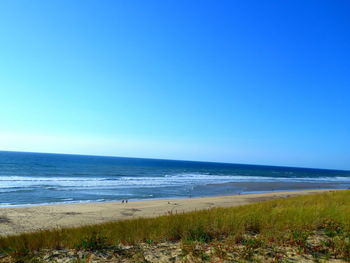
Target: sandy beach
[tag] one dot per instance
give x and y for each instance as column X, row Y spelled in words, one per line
column 28, row 219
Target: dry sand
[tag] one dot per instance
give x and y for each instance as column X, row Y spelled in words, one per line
column 28, row 219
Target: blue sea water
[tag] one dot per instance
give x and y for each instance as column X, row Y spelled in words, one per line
column 38, row 178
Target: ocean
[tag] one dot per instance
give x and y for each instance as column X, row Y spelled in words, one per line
column 38, row 178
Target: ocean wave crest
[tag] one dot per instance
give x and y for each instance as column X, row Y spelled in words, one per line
column 59, row 183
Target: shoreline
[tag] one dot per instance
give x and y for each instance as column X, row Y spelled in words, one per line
column 17, row 220
column 207, row 190
column 83, row 202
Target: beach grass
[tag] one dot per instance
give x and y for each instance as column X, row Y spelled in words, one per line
column 275, row 223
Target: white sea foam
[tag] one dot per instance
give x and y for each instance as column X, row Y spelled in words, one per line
column 16, row 183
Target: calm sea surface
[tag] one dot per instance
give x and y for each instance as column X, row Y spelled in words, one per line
column 35, row 178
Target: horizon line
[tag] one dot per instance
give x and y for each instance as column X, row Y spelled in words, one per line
column 178, row 160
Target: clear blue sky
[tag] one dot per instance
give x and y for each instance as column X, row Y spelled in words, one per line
column 264, row 82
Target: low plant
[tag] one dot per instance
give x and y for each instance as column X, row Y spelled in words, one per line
column 281, row 222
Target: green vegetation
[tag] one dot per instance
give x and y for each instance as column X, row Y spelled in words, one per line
column 315, row 224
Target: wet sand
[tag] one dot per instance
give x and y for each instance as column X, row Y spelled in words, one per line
column 28, row 219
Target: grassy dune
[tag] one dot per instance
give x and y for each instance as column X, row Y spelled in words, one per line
column 290, row 222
